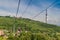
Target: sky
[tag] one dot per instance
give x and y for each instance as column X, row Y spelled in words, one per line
column 28, row 9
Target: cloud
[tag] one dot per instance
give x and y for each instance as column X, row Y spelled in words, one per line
column 5, row 13
column 9, row 7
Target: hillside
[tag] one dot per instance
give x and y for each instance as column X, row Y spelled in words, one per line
column 35, row 30
column 27, row 24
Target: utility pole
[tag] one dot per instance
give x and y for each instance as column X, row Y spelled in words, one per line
column 46, row 16
column 14, row 28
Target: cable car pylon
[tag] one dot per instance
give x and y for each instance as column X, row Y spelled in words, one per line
column 14, row 26
column 46, row 16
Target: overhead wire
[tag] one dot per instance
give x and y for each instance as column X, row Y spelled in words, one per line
column 26, row 7
column 44, row 9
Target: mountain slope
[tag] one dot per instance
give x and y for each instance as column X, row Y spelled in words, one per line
column 26, row 24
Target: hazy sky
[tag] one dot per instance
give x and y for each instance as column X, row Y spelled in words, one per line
column 9, row 7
